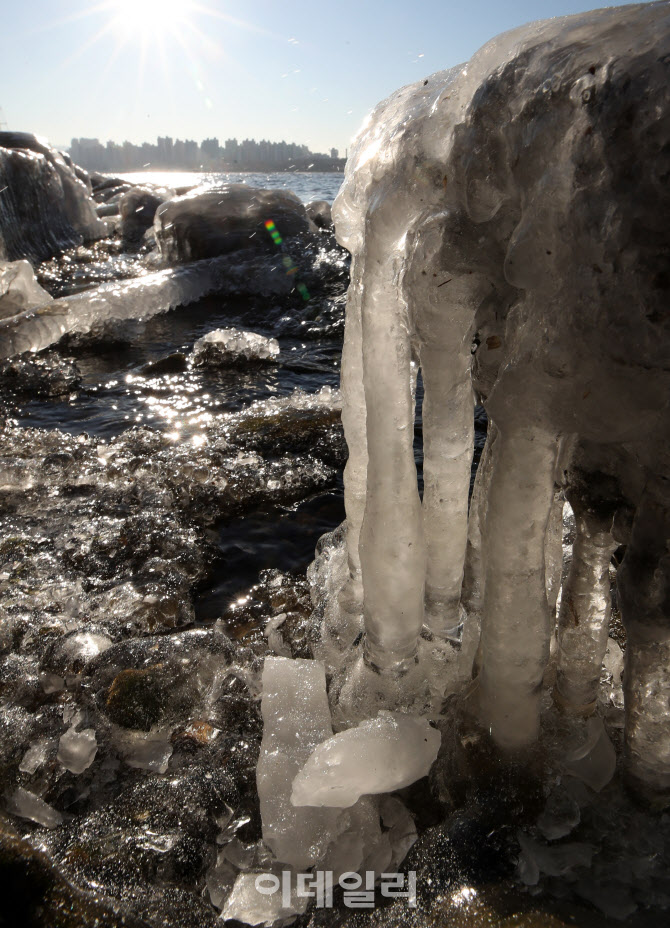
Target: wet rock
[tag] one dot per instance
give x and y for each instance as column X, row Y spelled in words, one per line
column 140, row 699
column 208, row 222
column 319, row 212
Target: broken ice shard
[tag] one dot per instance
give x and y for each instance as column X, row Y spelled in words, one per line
column 378, row 756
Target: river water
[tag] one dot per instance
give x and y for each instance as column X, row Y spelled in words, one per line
column 117, row 394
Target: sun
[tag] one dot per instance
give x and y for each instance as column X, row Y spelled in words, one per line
column 143, row 19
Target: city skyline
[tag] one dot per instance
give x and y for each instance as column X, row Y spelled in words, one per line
column 207, row 155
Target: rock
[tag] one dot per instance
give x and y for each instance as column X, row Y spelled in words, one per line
column 319, row 211
column 208, row 222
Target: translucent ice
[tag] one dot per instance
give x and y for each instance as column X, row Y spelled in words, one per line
column 77, row 749
column 253, row 907
column 34, row 756
column 296, row 718
column 502, row 242
column 594, row 760
column 27, row 805
column 378, row 756
column 18, row 289
column 141, row 298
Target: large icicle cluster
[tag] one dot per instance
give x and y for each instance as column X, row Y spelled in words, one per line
column 508, row 226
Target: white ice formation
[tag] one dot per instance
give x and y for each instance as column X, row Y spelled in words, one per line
column 378, row 756
column 224, row 347
column 296, row 718
column 508, row 226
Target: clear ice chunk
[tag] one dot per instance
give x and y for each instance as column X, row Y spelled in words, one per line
column 145, row 750
column 77, row 749
column 19, row 290
column 378, row 756
column 35, row 756
column 27, row 805
column 253, row 907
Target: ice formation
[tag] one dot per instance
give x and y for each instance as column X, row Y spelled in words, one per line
column 18, row 288
column 378, row 756
column 507, row 221
column 226, row 347
column 208, row 222
column 45, row 204
column 138, row 298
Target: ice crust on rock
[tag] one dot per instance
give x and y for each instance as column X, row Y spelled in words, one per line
column 112, row 302
column 45, row 206
column 378, row 756
column 227, row 347
column 501, row 241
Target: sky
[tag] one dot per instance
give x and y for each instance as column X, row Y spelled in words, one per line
column 305, row 71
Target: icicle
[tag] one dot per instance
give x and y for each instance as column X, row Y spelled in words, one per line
column 473, row 577
column 583, row 620
column 392, row 548
column 515, row 628
column 353, row 420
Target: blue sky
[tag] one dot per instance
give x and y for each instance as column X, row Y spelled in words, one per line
column 306, row 71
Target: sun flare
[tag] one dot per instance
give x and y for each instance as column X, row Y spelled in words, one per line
column 143, row 18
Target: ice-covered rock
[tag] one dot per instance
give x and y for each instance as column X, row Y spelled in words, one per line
column 19, row 290
column 378, row 756
column 505, row 237
column 212, row 221
column 296, row 718
column 27, row 805
column 142, row 297
column 228, row 347
column 44, row 206
column 137, row 208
